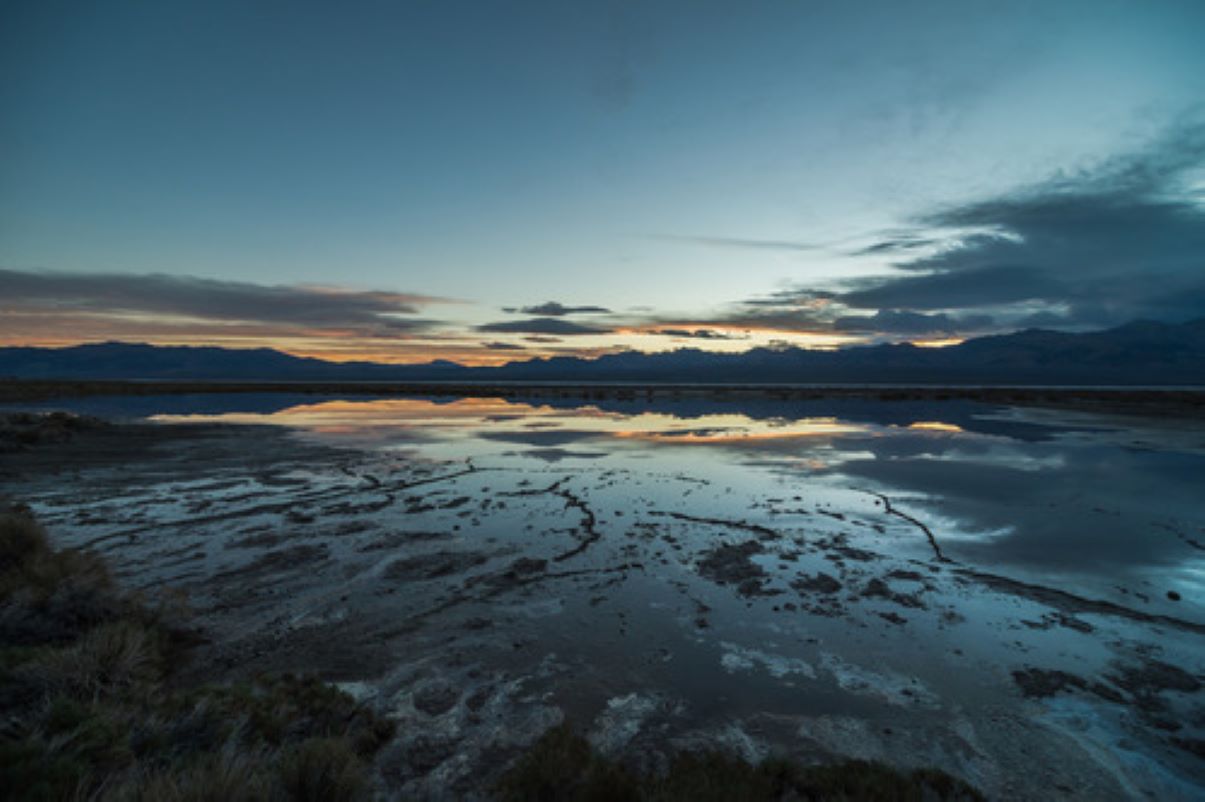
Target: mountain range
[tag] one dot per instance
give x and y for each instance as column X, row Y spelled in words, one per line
column 1139, row 353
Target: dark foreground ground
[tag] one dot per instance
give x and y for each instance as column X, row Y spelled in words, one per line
column 95, row 708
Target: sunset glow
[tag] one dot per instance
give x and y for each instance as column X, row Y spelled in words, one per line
column 373, row 196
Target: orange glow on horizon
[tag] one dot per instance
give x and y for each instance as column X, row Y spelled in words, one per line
column 738, row 337
column 942, row 342
column 465, row 347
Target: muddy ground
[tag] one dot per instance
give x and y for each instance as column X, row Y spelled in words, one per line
column 479, row 603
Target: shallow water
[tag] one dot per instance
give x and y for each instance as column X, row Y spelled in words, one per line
column 1105, row 500
column 961, row 544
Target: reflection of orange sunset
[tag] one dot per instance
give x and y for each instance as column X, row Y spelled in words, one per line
column 721, row 430
column 935, row 426
column 350, row 415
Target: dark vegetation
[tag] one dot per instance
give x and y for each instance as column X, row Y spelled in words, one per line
column 91, row 708
column 90, row 712
column 22, row 430
column 562, row 766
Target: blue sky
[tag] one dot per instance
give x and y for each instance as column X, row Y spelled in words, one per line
column 751, row 172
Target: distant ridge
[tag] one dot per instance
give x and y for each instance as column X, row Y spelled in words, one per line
column 1139, row 353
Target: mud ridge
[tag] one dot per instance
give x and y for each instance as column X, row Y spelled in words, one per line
column 536, row 491
column 890, row 510
column 276, row 507
column 1070, row 603
column 589, row 525
column 765, row 532
column 500, row 583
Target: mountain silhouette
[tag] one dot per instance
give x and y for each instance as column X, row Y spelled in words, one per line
column 1139, row 353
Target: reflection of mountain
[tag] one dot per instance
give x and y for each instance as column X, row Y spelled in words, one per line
column 1140, row 353
column 956, row 414
column 968, row 416
column 114, row 407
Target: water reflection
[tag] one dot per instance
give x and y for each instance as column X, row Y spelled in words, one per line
column 1073, row 493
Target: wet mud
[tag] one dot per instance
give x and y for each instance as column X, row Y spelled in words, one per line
column 479, row 598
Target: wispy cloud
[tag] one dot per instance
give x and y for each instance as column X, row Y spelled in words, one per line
column 1089, row 248
column 740, row 242
column 698, row 334
column 554, row 309
column 377, row 312
column 541, row 325
column 1122, row 241
column 914, row 324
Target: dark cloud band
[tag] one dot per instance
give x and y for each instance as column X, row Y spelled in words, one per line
column 376, row 312
column 554, row 309
column 541, row 325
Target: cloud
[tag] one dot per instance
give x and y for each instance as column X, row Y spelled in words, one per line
column 972, row 287
column 554, row 309
column 739, row 242
column 1085, row 249
column 890, row 321
column 1104, row 246
column 541, row 325
column 547, row 437
column 537, row 338
column 889, row 244
column 799, row 313
column 115, row 295
column 698, row 334
column 501, row 346
column 791, row 298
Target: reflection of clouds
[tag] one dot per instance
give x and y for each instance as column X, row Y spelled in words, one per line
column 730, row 430
column 552, row 455
column 1003, row 457
column 1010, row 492
column 1074, row 506
column 936, row 426
column 541, row 437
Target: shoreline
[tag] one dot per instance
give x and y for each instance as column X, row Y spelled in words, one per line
column 1179, row 402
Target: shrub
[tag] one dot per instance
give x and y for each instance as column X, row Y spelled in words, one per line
column 322, row 770
column 114, row 729
column 562, row 767
column 47, row 595
column 230, row 775
column 287, row 709
column 20, row 539
column 110, row 658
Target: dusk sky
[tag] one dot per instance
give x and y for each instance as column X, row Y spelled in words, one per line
column 489, row 181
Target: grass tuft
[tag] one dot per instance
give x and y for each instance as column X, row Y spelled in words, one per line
column 229, row 775
column 90, row 714
column 48, row 595
column 563, row 767
column 323, row 769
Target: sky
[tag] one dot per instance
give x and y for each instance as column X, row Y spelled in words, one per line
column 491, row 181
